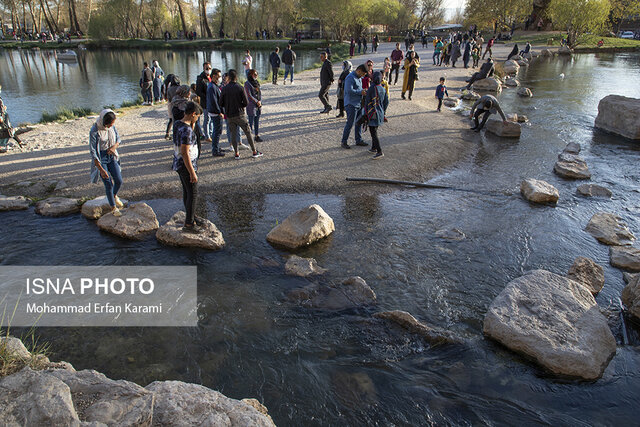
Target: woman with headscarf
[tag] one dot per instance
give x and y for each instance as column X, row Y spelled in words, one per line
column 411, row 64
column 514, row 52
column 376, row 103
column 455, row 53
column 254, row 102
column 158, row 80
column 346, row 69
column 466, row 57
column 105, row 162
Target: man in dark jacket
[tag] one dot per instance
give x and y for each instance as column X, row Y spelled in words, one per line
column 202, row 82
column 215, row 112
column 485, row 71
column 289, row 59
column 326, row 78
column 274, row 60
column 233, row 101
column 146, row 83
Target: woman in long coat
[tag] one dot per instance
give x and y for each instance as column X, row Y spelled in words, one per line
column 411, row 64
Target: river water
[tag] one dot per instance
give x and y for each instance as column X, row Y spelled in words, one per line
column 33, row 81
column 319, row 368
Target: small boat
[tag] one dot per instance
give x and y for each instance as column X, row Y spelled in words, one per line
column 67, row 56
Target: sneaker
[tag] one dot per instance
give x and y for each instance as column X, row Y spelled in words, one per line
column 218, row 154
column 345, row 145
column 116, row 212
column 199, row 221
column 284, row 82
column 237, row 156
column 378, row 155
column 194, row 229
column 229, row 149
column 362, row 144
column 372, row 150
column 385, row 120
column 402, row 96
column 256, row 155
column 258, row 139
column 340, row 115
column 242, row 146
column 119, row 203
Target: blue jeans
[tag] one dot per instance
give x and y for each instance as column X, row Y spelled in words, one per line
column 226, row 121
column 288, row 69
column 253, row 121
column 436, row 54
column 206, row 129
column 246, row 73
column 113, row 183
column 351, row 117
column 216, row 131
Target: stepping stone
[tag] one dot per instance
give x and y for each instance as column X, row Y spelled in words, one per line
column 94, row 209
column 57, row 206
column 594, row 190
column 524, row 92
column 587, row 272
column 303, row 267
column 135, row 222
column 625, row 257
column 539, row 191
column 171, row 234
column 609, row 229
column 13, row 203
column 572, row 169
column 504, row 129
column 302, row 228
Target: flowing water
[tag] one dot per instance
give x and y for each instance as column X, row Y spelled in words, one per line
column 317, row 368
column 33, row 81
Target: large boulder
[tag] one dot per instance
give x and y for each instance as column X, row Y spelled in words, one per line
column 625, row 257
column 593, row 190
column 57, row 206
column 504, row 129
column 631, row 296
column 575, row 168
column 619, row 115
column 565, row 50
column 171, row 234
column 469, row 95
column 490, row 84
column 95, row 208
column 135, row 222
column 303, row 267
column 546, row 53
column 539, row 191
column 13, row 203
column 180, row 404
column 586, row 271
column 353, row 292
column 302, row 228
column 523, row 62
column 524, row 92
column 510, row 67
column 555, row 321
column 511, row 81
column 433, row 336
column 609, row 229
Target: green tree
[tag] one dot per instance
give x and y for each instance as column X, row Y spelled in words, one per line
column 623, row 10
column 579, row 17
column 503, row 13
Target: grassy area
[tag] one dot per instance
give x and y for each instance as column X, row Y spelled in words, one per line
column 133, row 103
column 62, row 114
column 586, row 42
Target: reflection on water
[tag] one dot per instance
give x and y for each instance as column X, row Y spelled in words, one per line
column 33, row 81
column 347, row 368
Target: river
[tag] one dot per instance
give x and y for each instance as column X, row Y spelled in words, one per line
column 318, row 368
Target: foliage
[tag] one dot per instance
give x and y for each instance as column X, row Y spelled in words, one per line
column 132, row 103
column 62, row 114
column 579, row 17
column 504, row 13
column 622, row 10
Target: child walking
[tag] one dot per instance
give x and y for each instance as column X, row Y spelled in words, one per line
column 441, row 91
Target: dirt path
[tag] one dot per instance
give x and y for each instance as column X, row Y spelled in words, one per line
column 302, row 150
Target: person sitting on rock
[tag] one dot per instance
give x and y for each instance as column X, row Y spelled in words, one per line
column 103, row 146
column 487, row 105
column 514, row 52
column 486, row 70
column 526, row 50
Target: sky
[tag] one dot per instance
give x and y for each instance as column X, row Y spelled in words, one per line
column 453, row 4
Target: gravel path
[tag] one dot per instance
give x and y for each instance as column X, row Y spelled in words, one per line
column 302, row 150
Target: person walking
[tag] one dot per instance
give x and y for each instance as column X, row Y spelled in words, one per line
column 352, row 47
column 353, row 94
column 376, row 102
column 274, row 60
column 411, row 64
column 185, row 158
column 346, row 69
column 441, row 91
column 146, row 83
column 359, row 44
column 455, row 54
column 326, row 79
column 487, row 105
column 247, row 62
column 396, row 59
column 364, row 44
column 233, row 101
column 254, row 103
column 467, row 54
column 202, row 83
column 103, row 146
column 158, row 81
column 215, row 112
column 488, row 48
column 289, row 59
column 437, row 50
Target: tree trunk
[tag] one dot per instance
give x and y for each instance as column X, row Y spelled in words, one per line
column 71, row 24
column 246, row 20
column 46, row 17
column 184, row 22
column 34, row 23
column 75, row 15
column 139, row 19
column 89, row 17
column 205, row 21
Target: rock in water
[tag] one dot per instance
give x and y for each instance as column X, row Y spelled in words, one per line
column 303, row 267
column 504, row 129
column 13, row 203
column 587, row 272
column 522, row 118
column 555, row 321
column 135, row 222
column 183, row 405
column 490, row 84
column 565, row 50
column 539, row 191
column 302, row 228
column 353, row 292
column 609, row 229
column 625, row 257
column 524, row 92
column 594, row 190
column 511, row 81
column 452, row 234
column 171, row 234
column 57, row 206
column 510, row 67
column 572, row 148
column 546, row 53
column 95, row 208
column 433, row 336
column 575, row 168
column 512, row 117
column 631, row 297
column 469, row 95
column 619, row 115
column 628, row 277
column 451, row 102
column 523, row 62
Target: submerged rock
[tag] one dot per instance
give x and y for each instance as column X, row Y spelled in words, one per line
column 594, row 190
column 572, row 148
column 586, row 271
column 13, row 203
column 136, row 221
column 524, row 92
column 625, row 257
column 555, row 321
column 631, row 297
column 539, row 191
column 352, row 292
column 572, row 169
column 504, row 129
column 302, row 228
column 95, row 208
column 512, row 81
column 619, row 115
column 451, row 234
column 355, row 390
column 171, row 234
column 490, row 84
column 434, row 336
column 303, row 267
column 57, row 206
column 609, row 229
column 183, row 405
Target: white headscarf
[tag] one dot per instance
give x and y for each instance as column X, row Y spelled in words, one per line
column 107, row 135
